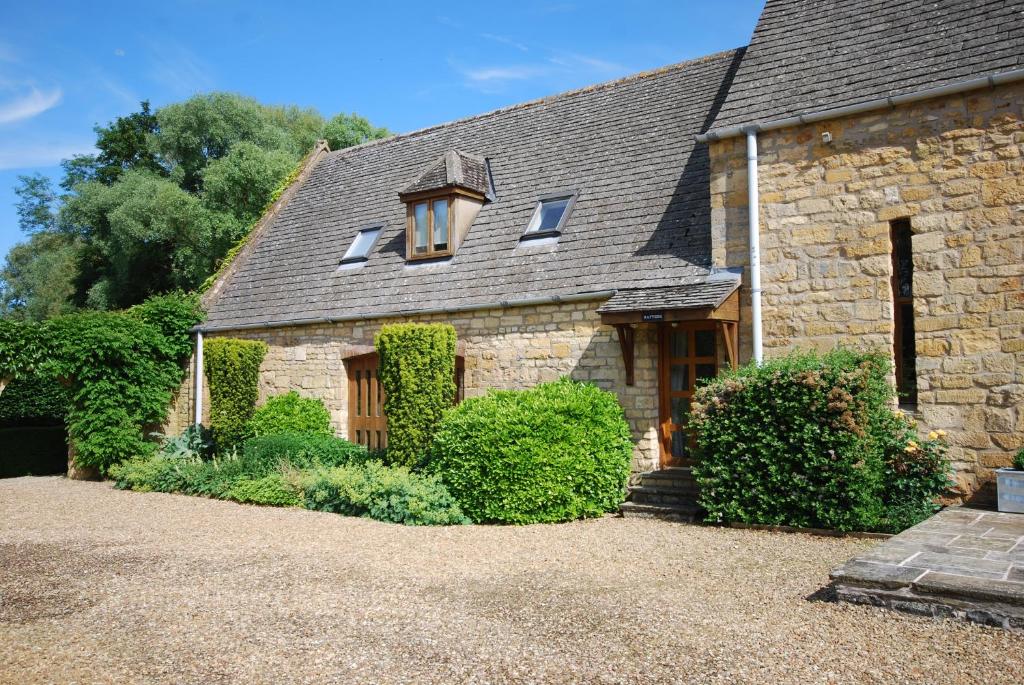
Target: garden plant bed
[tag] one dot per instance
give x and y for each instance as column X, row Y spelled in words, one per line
column 105, row 586
column 961, row 563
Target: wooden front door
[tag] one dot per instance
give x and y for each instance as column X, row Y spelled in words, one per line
column 687, row 351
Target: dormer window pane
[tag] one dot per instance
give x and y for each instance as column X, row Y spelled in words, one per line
column 441, row 224
column 422, row 228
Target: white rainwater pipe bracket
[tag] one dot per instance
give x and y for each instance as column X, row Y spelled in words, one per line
column 754, row 230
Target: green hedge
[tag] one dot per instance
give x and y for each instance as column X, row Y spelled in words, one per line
column 122, row 369
column 34, row 401
column 417, row 371
column 291, row 413
column 232, row 370
column 812, row 440
column 556, row 452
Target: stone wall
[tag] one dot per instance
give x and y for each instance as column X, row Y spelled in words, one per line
column 503, row 348
column 954, row 167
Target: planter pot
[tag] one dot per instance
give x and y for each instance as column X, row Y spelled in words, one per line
column 1010, row 490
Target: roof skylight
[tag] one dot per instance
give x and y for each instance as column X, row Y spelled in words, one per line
column 360, row 247
column 549, row 216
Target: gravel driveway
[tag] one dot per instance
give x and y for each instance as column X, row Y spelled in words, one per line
column 103, row 586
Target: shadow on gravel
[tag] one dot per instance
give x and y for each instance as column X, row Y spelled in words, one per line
column 825, row 594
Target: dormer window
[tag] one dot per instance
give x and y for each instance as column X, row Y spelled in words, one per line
column 549, row 216
column 360, row 248
column 442, row 202
column 430, row 228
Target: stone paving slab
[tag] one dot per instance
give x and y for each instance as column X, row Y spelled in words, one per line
column 961, row 563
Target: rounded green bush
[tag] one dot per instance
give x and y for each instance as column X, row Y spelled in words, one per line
column 271, row 490
column 812, row 440
column 556, row 452
column 291, row 413
column 1018, row 460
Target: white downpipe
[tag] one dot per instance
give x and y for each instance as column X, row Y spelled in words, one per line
column 199, row 378
column 754, row 225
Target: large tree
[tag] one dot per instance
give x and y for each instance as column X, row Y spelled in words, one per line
column 166, row 195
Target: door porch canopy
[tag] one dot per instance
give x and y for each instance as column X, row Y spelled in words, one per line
column 713, row 300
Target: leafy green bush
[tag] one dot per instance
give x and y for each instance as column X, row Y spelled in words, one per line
column 811, row 440
column 273, row 490
column 232, row 369
column 291, row 413
column 122, row 369
column 1018, row 460
column 34, row 401
column 417, row 371
column 384, row 493
column 557, row 452
column 265, row 452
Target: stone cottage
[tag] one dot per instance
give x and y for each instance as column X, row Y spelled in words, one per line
column 854, row 175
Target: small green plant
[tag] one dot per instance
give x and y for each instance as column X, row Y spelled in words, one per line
column 272, row 490
column 233, row 370
column 384, row 493
column 417, row 371
column 196, row 441
column 556, row 452
column 1018, row 460
column 291, row 413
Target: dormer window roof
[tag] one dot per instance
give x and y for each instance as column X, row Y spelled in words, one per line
column 454, row 170
column 442, row 203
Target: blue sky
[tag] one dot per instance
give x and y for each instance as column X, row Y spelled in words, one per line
column 65, row 67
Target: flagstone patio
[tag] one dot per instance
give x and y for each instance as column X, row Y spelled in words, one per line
column 961, row 563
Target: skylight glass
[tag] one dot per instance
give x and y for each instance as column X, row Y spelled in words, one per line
column 548, row 216
column 360, row 247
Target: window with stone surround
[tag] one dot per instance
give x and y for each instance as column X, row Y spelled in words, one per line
column 904, row 346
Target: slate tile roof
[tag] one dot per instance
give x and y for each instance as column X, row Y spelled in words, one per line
column 810, row 55
column 641, row 219
column 711, row 294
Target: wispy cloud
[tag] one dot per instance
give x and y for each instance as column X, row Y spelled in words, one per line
column 514, row 72
column 44, row 154
column 178, row 69
column 28, row 104
column 560, row 70
column 117, row 89
column 505, row 40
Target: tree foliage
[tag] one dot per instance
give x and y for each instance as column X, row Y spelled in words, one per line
column 157, row 208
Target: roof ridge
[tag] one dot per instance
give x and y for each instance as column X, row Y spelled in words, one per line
column 539, row 101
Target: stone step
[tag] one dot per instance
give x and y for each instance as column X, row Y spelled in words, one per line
column 664, row 511
column 669, row 478
column 648, row 495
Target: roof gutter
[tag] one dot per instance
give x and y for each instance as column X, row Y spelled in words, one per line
column 991, row 81
column 504, row 304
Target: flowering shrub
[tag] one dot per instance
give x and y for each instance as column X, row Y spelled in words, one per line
column 812, row 440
